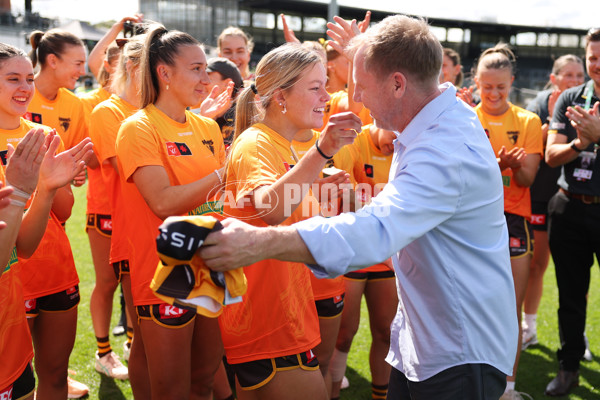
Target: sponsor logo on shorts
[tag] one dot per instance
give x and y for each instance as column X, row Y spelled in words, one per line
column 30, row 305
column 178, row 149
column 6, row 394
column 310, row 356
column 337, row 299
column 168, row 311
column 514, row 242
column 538, row 219
column 106, row 224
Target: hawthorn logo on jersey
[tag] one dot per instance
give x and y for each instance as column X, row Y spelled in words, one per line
column 210, row 144
column 4, row 157
column 33, row 117
column 513, row 136
column 64, row 123
column 169, row 311
column 178, row 149
column 369, row 170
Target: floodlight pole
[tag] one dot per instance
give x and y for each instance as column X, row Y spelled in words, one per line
column 332, row 10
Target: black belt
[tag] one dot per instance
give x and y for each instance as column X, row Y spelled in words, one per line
column 585, row 198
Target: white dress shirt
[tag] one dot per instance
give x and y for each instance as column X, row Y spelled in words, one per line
column 441, row 217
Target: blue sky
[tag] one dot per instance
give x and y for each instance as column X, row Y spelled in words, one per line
column 532, row 12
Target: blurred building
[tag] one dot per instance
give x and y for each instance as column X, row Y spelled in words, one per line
column 203, row 19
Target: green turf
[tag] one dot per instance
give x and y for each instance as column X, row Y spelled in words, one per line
column 538, row 364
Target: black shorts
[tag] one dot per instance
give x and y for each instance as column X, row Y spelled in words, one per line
column 57, row 302
column 370, row 275
column 539, row 216
column 331, row 307
column 166, row 315
column 121, row 268
column 256, row 374
column 101, row 223
column 519, row 235
column 22, row 387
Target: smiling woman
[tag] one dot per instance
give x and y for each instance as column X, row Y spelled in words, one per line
column 61, row 56
column 271, row 351
column 169, row 162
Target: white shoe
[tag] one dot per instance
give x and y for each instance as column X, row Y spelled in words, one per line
column 529, row 339
column 126, row 351
column 514, row 395
column 76, row 390
column 111, row 366
column 345, row 383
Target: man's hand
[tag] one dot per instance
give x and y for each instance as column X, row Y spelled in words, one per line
column 342, row 33
column 236, row 245
column 587, row 123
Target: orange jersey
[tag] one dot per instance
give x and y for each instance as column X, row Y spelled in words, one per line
column 277, row 316
column 334, row 107
column 105, row 122
column 65, row 114
column 375, row 172
column 51, row 268
column 322, row 288
column 515, row 128
column 93, row 98
column 187, row 152
column 15, row 340
column 98, row 200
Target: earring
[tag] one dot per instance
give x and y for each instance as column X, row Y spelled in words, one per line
column 167, row 86
column 284, row 108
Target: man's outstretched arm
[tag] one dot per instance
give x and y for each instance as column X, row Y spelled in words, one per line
column 246, row 244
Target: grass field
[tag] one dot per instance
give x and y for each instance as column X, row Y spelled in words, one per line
column 537, row 367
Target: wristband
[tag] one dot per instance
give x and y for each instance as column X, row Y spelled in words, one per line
column 577, row 149
column 219, row 176
column 16, row 202
column 321, row 152
column 18, row 192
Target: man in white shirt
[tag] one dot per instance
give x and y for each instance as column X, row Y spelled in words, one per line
column 441, row 218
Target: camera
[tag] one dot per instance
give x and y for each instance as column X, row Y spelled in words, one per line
column 130, row 29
